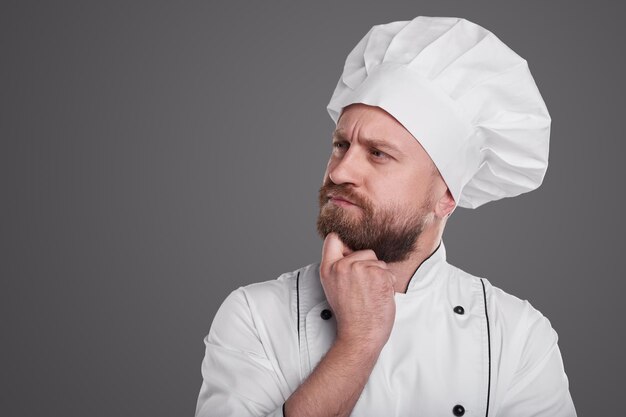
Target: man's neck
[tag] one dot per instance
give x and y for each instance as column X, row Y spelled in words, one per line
column 404, row 271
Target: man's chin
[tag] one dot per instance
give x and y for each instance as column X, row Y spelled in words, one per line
column 342, row 214
column 345, row 234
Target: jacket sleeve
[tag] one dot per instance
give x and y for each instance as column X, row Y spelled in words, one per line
column 539, row 387
column 238, row 378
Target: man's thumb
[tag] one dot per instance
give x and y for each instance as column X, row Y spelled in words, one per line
column 333, row 249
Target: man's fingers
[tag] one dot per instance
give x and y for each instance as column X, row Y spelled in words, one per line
column 364, row 255
column 393, row 279
column 374, row 263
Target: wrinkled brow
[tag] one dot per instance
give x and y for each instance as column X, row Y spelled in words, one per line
column 375, row 143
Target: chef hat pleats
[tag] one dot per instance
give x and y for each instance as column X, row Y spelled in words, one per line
column 469, row 100
column 414, row 38
column 378, row 42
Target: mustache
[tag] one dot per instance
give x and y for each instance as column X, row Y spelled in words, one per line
column 341, row 192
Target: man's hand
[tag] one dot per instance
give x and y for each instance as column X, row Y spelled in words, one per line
column 360, row 291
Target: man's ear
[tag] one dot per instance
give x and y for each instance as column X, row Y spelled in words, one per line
column 445, row 206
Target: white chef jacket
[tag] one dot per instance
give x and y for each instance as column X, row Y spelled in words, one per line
column 459, row 346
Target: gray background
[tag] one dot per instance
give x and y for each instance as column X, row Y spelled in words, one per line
column 156, row 156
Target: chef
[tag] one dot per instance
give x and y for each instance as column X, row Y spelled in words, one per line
column 430, row 114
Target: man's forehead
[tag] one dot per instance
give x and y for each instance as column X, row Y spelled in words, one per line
column 379, row 129
column 389, row 134
column 372, row 123
column 384, row 141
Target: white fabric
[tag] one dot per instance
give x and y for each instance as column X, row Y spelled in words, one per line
column 469, row 100
column 266, row 338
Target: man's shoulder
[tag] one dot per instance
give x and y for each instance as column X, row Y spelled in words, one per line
column 277, row 298
column 301, row 286
column 506, row 306
column 285, row 282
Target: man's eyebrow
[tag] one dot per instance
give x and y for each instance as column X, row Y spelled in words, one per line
column 376, row 143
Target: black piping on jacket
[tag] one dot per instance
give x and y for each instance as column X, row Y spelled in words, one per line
column 488, row 346
column 486, row 317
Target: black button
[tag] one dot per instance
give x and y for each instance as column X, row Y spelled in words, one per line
column 459, row 310
column 458, row 410
column 326, row 314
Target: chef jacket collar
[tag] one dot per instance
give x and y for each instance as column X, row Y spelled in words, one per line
column 426, row 273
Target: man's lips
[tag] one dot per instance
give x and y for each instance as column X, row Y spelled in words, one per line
column 338, row 199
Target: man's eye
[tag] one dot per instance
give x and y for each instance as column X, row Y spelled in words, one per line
column 338, row 145
column 378, row 154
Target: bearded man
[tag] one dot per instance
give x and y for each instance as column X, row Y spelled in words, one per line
column 430, row 114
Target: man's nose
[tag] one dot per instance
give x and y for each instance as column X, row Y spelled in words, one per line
column 347, row 169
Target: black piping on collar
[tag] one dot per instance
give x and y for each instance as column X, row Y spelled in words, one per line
column 408, row 284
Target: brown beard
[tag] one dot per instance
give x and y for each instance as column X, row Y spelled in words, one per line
column 392, row 233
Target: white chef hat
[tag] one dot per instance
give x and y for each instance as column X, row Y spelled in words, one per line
column 468, row 99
